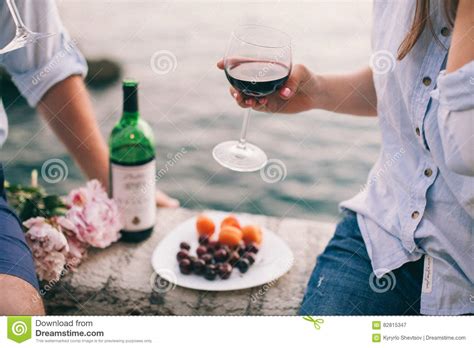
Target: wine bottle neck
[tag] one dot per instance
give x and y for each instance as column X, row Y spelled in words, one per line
column 130, row 102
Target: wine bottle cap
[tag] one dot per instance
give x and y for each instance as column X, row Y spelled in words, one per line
column 127, row 83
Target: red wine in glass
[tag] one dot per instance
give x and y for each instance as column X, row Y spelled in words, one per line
column 257, row 78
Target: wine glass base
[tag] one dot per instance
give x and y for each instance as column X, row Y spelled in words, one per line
column 232, row 155
column 22, row 39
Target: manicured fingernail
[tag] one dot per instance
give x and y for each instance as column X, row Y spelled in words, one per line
column 286, row 92
column 248, row 102
column 234, row 95
column 174, row 203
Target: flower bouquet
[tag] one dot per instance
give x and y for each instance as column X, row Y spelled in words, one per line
column 59, row 230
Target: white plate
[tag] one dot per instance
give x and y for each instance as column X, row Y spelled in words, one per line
column 273, row 260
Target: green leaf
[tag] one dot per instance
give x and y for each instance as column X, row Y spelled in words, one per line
column 29, row 210
column 52, row 202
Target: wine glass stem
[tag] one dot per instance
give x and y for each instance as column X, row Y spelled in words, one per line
column 15, row 14
column 243, row 132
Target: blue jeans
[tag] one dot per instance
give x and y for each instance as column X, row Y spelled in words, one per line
column 15, row 255
column 342, row 283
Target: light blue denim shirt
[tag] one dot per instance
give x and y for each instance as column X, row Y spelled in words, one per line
column 37, row 67
column 419, row 197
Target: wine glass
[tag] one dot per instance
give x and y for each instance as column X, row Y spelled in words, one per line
column 257, row 63
column 23, row 35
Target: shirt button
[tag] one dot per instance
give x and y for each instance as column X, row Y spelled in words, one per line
column 426, row 81
column 445, row 31
column 417, row 131
column 428, row 172
column 415, row 215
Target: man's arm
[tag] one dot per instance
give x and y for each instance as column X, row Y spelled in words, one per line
column 19, row 297
column 67, row 109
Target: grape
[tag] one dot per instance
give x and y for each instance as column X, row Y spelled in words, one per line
column 201, row 250
column 234, row 257
column 184, row 245
column 203, row 240
column 220, row 255
column 213, row 245
column 182, row 254
column 252, row 248
column 185, row 266
column 251, row 257
column 225, row 270
column 243, row 265
column 210, row 273
column 199, row 266
column 207, row 258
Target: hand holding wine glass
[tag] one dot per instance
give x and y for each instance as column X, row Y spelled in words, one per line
column 299, row 93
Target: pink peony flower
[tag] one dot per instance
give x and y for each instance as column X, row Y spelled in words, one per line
column 77, row 252
column 48, row 246
column 77, row 249
column 94, row 215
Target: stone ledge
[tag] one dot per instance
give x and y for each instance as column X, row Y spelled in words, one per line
column 116, row 281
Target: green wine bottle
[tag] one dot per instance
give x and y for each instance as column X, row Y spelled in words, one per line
column 132, row 168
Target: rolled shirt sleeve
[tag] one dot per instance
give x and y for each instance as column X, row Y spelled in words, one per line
column 455, row 93
column 37, row 67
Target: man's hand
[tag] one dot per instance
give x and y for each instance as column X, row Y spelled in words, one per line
column 165, row 201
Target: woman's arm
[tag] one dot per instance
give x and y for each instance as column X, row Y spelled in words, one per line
column 67, row 109
column 352, row 93
column 456, row 90
column 462, row 43
column 349, row 93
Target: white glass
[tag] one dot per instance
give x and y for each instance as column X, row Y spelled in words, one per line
column 257, row 63
column 23, row 35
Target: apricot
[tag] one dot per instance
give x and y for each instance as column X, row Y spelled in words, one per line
column 252, row 233
column 230, row 220
column 230, row 235
column 205, row 226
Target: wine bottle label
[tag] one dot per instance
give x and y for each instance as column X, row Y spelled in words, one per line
column 133, row 189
